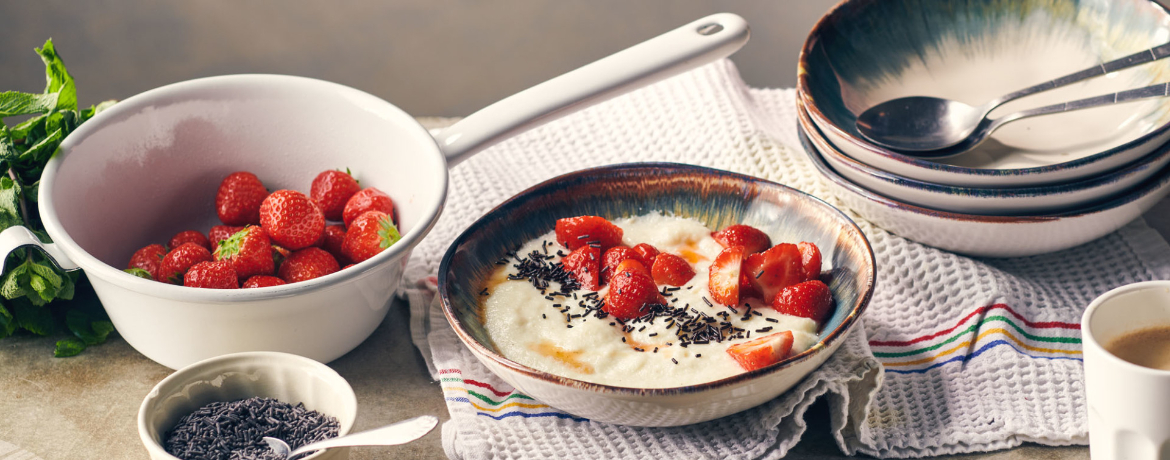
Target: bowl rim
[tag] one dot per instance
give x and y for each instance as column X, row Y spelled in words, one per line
column 804, row 95
column 339, row 383
column 95, row 267
column 830, row 341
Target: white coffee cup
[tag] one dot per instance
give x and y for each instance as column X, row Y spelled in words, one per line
column 1129, row 405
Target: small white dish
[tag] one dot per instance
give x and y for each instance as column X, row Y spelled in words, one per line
column 986, row 201
column 288, row 378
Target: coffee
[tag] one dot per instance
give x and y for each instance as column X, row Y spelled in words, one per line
column 1149, row 347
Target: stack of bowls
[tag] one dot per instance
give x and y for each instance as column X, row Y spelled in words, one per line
column 1037, row 185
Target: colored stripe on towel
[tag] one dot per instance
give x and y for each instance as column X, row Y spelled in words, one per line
column 515, row 408
column 978, row 352
column 978, row 311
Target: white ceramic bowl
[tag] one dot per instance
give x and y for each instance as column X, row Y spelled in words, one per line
column 992, row 236
column 150, row 166
column 288, row 378
column 864, row 52
column 1035, row 200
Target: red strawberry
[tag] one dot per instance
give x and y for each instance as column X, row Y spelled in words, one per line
column 646, row 253
column 176, row 263
column 584, row 264
column 614, row 256
column 371, row 233
column 810, row 299
column 367, row 199
column 810, row 258
column 249, row 252
column 724, row 276
column 747, row 290
column 221, row 232
column 671, row 270
column 629, row 293
column 574, row 232
column 291, row 219
column 189, row 236
column 332, row 241
column 752, row 239
column 306, row 264
column 775, row 269
column 331, row 190
column 148, row 258
column 239, row 197
column 763, row 351
column 632, row 265
column 260, row 281
column 211, row 275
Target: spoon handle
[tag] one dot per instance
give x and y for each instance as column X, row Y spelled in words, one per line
column 1138, row 58
column 1158, row 90
column 389, row 435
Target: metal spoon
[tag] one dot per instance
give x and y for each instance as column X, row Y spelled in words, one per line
column 389, row 435
column 932, row 127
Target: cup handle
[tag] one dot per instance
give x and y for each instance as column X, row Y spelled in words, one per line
column 16, row 237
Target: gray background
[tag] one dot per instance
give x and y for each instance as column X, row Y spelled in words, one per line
column 429, row 57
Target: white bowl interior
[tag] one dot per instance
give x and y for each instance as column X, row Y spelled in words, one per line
column 150, row 166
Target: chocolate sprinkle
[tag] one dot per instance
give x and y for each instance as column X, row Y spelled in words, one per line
column 234, row 430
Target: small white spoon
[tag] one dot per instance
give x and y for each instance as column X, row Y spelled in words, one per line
column 389, row 435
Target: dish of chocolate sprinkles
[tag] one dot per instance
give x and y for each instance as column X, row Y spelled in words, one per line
column 235, row 430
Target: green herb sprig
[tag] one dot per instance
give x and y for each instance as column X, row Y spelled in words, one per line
column 35, row 292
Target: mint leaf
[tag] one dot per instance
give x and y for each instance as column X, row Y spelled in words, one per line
column 139, row 273
column 59, row 80
column 13, row 103
column 34, row 318
column 7, row 323
column 69, row 347
column 96, row 109
column 9, row 203
column 35, row 282
column 87, row 328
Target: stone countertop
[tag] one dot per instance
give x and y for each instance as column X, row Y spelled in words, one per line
column 86, row 407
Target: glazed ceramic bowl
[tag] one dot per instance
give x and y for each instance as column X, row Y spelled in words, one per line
column 288, row 378
column 991, row 236
column 716, row 198
column 1015, row 201
column 864, row 52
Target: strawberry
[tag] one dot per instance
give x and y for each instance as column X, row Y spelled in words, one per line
column 176, row 263
column 148, row 258
column 574, row 232
column 810, row 299
column 763, row 351
column 306, row 264
column 332, row 240
column 723, row 278
column 810, row 258
column 775, row 269
column 584, row 264
column 260, row 281
column 632, row 265
column 291, row 219
column 249, row 252
column 239, row 197
column 219, row 233
column 747, row 290
column 189, row 236
column 614, row 256
column 646, row 253
column 212, row 275
column 279, row 255
column 671, row 270
column 331, row 190
column 371, row 233
column 752, row 239
column 629, row 294
column 367, row 199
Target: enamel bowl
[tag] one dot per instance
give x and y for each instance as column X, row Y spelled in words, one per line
column 864, row 52
column 1034, row 200
column 717, row 198
column 991, row 236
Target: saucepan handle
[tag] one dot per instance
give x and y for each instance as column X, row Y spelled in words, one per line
column 700, row 42
column 16, row 237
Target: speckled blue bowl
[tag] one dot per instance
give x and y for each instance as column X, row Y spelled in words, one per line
column 717, row 198
column 864, row 52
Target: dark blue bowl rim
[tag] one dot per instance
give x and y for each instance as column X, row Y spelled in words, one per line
column 666, row 168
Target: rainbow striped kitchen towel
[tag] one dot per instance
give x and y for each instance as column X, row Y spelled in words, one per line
column 956, row 354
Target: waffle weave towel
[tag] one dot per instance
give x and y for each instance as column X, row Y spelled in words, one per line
column 956, row 354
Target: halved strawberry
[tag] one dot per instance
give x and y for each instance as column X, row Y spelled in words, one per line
column 810, row 299
column 671, row 270
column 646, row 253
column 775, row 269
column 810, row 257
column 614, row 256
column 632, row 265
column 763, row 351
column 584, row 263
column 724, row 276
column 751, row 238
column 630, row 291
column 574, row 232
